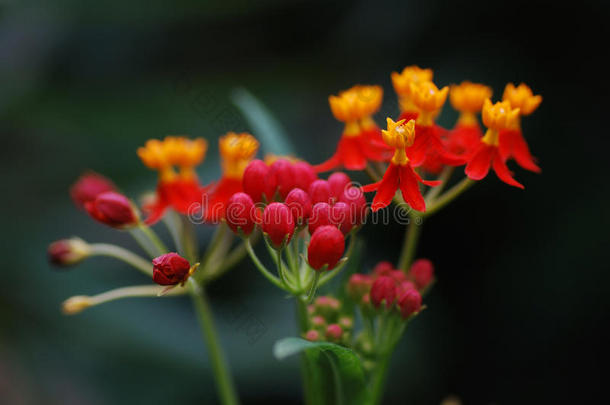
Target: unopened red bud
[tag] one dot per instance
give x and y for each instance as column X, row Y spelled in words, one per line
column 88, row 187
column 112, row 209
column 383, row 290
column 358, row 285
column 319, row 191
column 346, row 322
column 170, row 269
column 299, row 203
column 318, row 321
column 282, row 171
column 278, row 224
column 334, row 332
column 404, row 286
column 398, row 275
column 312, row 335
column 338, row 183
column 326, row 306
column 257, row 182
column 383, row 268
column 304, row 174
column 422, row 273
column 325, row 247
column 409, row 303
column 241, row 213
column 67, row 252
column 340, row 217
column 354, row 198
column 320, row 215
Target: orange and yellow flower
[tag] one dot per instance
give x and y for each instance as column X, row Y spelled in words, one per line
column 361, row 139
column 402, row 86
column 512, row 142
column 236, row 151
column 175, row 158
column 399, row 174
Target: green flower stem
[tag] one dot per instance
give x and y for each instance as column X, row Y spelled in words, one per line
column 268, row 275
column 449, row 195
column 224, row 381
column 444, row 177
column 372, row 173
column 153, row 238
column 217, row 239
column 189, row 239
column 232, row 258
column 306, row 372
column 172, row 222
column 105, row 249
column 144, row 242
column 410, row 242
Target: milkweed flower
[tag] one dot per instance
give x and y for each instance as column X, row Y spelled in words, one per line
column 512, row 143
column 468, row 99
column 171, row 269
column 361, row 138
column 399, row 174
column 402, row 86
column 175, row 189
column 325, row 248
column 496, row 117
column 88, row 187
column 428, row 149
column 236, row 152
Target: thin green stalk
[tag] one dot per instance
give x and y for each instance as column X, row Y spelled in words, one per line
column 143, row 241
column 372, row 173
column 444, row 177
column 261, row 267
column 410, row 243
column 189, row 239
column 152, row 236
column 224, row 381
column 306, row 372
column 105, row 249
column 215, row 242
column 449, row 196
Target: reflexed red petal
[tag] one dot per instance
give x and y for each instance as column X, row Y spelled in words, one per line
column 215, row 202
column 463, row 140
column 479, row 164
column 502, row 170
column 409, row 186
column 352, row 154
column 513, row 144
column 370, row 187
column 387, row 188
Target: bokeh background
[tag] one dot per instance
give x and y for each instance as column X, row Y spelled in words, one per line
column 519, row 313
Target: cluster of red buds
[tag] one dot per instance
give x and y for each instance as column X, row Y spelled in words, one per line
column 327, row 322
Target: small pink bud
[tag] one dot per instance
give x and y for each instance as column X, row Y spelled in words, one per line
column 404, row 286
column 304, row 174
column 67, row 252
column 300, row 205
column 320, row 215
column 319, row 191
column 338, row 183
column 398, row 275
column 334, row 332
column 409, row 303
column 88, row 187
column 112, row 209
column 422, row 273
column 282, row 171
column 325, row 247
column 383, row 268
column 383, row 290
column 312, row 335
column 241, row 213
column 170, row 269
column 346, row 322
column 256, row 181
column 358, row 285
column 318, row 321
column 326, row 306
column 278, row 223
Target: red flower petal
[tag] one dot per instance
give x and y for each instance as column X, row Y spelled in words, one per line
column 479, row 164
column 502, row 170
column 513, row 144
column 387, row 188
column 409, row 186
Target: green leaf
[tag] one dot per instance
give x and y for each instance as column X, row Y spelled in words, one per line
column 264, row 125
column 334, row 372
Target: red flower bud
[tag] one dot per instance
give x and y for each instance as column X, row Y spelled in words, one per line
column 282, row 172
column 112, row 209
column 67, row 252
column 278, row 223
column 170, row 269
column 334, row 332
column 318, row 321
column 325, row 247
column 409, row 303
column 304, row 174
column 320, row 216
column 88, row 186
column 398, row 275
column 341, row 217
column 383, row 290
column 346, row 322
column 383, row 268
column 300, row 205
column 422, row 273
column 354, row 198
column 319, row 191
column 338, row 183
column 358, row 285
column 257, row 182
column 404, row 286
column 312, row 335
column 240, row 213
column 327, row 306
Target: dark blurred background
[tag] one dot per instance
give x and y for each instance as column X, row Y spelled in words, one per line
column 519, row 311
